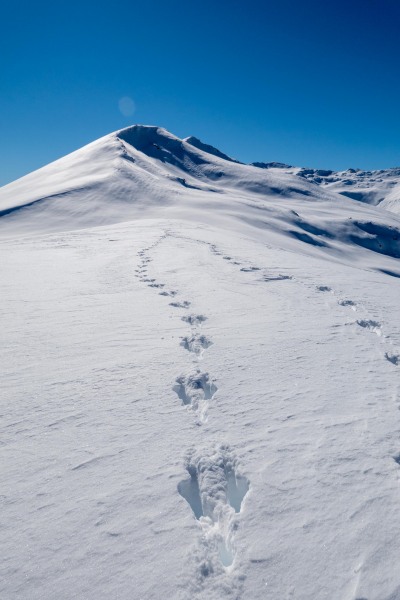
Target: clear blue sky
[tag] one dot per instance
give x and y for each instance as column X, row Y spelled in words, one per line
column 310, row 82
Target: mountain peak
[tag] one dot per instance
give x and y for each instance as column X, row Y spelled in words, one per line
column 142, row 136
column 146, row 137
column 194, row 141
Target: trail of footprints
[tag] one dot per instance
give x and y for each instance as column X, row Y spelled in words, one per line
column 265, row 276
column 368, row 324
column 372, row 326
column 214, row 490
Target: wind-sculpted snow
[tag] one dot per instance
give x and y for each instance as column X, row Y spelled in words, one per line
column 379, row 237
column 379, row 187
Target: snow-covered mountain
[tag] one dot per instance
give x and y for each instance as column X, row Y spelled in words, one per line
column 200, row 377
column 372, row 187
column 147, row 172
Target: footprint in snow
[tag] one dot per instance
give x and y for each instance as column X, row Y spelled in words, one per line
column 196, row 390
column 349, row 303
column 196, row 343
column 277, row 277
column 393, row 358
column 250, row 269
column 184, row 304
column 324, row 288
column 373, row 326
column 215, row 494
column 194, row 320
column 170, row 293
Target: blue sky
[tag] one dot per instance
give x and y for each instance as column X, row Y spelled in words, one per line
column 312, row 83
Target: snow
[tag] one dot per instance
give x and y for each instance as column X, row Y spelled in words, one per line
column 200, row 381
column 373, row 187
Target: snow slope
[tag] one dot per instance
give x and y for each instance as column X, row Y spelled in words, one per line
column 200, row 381
column 373, row 187
column 380, row 187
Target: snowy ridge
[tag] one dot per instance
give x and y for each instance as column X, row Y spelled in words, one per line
column 146, row 172
column 380, row 187
column 194, row 141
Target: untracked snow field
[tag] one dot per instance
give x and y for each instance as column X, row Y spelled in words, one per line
column 191, row 412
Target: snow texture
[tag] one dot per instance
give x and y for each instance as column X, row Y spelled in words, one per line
column 200, row 378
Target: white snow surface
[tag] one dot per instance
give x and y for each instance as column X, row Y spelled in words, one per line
column 378, row 187
column 200, row 380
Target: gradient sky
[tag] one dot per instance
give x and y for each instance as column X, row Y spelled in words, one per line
column 311, row 82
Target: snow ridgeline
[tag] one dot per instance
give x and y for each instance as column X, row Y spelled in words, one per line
column 144, row 172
